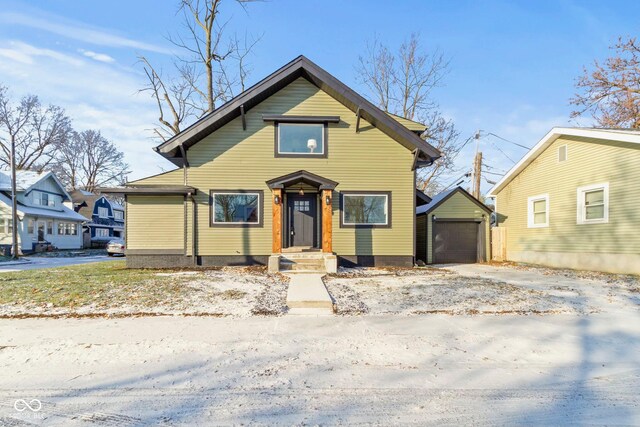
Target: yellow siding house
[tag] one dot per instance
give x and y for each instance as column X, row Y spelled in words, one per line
column 297, row 166
column 574, row 201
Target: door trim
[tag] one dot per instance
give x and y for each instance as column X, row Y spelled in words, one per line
column 317, row 230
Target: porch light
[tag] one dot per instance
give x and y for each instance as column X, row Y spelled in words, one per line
column 312, row 144
column 327, row 200
column 301, row 192
column 276, row 200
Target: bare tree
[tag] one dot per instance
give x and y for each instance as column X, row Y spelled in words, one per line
column 402, row 83
column 36, row 130
column 89, row 161
column 611, row 91
column 210, row 70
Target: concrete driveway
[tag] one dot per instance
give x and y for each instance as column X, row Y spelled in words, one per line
column 34, row 262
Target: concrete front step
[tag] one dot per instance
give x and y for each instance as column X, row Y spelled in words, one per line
column 312, row 265
column 315, row 262
column 310, row 312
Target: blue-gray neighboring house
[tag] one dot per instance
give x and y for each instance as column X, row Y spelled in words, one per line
column 107, row 217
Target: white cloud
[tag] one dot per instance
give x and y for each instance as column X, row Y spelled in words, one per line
column 102, row 57
column 96, row 95
column 26, row 54
column 78, row 31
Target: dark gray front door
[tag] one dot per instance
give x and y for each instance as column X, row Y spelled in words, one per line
column 302, row 220
column 455, row 242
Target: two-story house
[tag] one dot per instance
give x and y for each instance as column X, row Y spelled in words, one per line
column 43, row 215
column 297, row 167
column 107, row 217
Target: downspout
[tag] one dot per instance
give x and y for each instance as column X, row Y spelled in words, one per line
column 194, row 228
column 185, row 166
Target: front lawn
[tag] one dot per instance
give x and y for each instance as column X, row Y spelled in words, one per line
column 109, row 288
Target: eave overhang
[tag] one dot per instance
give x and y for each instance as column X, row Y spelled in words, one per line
column 301, row 176
column 299, row 67
column 150, row 190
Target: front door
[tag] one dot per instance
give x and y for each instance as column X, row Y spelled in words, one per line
column 41, row 227
column 302, row 214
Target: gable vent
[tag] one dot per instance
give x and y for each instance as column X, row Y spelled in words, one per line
column 562, row 153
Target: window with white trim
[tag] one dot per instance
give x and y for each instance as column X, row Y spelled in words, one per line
column 538, row 211
column 102, row 232
column 41, row 198
column 67, row 229
column 593, row 204
column 235, row 208
column 30, row 226
column 103, row 212
column 50, row 227
column 119, row 215
column 365, row 209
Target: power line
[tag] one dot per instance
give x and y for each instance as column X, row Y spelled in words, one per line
column 494, row 168
column 510, row 142
column 500, row 150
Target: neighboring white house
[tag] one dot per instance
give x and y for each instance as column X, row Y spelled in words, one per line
column 43, row 214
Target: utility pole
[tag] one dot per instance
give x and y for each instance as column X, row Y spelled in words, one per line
column 14, row 203
column 477, row 168
column 477, row 174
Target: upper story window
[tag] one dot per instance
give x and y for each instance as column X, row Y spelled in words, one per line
column 118, row 215
column 593, row 204
column 538, row 211
column 103, row 212
column 43, row 199
column 301, row 139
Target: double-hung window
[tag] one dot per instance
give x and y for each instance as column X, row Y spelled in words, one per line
column 67, row 229
column 103, row 212
column 240, row 208
column 368, row 209
column 593, row 204
column 43, row 199
column 538, row 211
column 102, row 232
column 118, row 215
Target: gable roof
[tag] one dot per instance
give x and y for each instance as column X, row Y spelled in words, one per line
column 26, row 179
column 302, row 176
column 299, row 67
column 61, row 212
column 619, row 135
column 85, row 202
column 442, row 197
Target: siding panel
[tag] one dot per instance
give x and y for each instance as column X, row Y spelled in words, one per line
column 589, row 161
column 159, row 222
column 233, row 159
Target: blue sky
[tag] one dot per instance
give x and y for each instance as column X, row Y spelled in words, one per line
column 513, row 63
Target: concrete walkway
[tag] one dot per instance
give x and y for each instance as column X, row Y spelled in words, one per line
column 308, row 295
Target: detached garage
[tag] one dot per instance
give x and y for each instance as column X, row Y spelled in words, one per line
column 453, row 228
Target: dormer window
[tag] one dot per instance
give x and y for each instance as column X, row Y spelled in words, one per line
column 301, row 139
column 43, row 199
